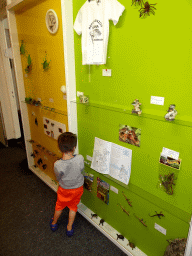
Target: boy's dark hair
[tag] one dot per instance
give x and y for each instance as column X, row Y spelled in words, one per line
column 67, row 141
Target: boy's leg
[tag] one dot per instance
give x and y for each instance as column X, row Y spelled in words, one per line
column 56, row 216
column 72, row 215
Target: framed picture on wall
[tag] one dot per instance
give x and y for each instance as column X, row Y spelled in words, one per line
column 51, row 20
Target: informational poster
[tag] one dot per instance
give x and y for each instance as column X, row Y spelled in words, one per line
column 112, row 159
column 52, row 128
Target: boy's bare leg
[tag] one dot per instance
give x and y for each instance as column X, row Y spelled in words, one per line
column 56, row 216
column 72, row 215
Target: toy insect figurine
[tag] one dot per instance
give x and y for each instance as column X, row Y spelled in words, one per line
column 138, row 2
column 141, row 220
column 123, row 209
column 127, row 199
column 136, row 105
column 159, row 215
column 120, row 237
column 148, row 8
column 44, row 166
column 45, row 64
column 40, row 161
column 170, row 116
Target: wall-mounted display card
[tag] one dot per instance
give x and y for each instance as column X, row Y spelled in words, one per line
column 171, row 158
column 103, row 190
column 130, row 135
column 88, row 181
column 112, row 159
column 52, row 128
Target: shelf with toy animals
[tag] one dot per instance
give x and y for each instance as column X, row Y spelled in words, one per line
column 124, row 244
column 141, row 193
column 185, row 121
column 38, row 104
column 43, row 164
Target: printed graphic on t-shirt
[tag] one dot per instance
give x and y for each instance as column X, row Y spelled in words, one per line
column 95, row 31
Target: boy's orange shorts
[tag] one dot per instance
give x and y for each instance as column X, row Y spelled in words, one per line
column 69, row 198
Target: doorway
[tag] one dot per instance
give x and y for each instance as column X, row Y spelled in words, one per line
column 13, row 123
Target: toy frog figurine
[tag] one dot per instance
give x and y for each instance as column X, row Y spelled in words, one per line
column 136, row 105
column 170, row 116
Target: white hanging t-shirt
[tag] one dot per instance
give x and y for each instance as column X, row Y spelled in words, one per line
column 92, row 22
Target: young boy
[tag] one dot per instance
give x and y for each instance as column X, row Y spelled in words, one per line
column 68, row 171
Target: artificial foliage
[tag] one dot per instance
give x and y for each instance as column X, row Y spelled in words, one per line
column 167, row 182
column 176, row 247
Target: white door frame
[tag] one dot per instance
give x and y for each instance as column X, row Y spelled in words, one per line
column 11, row 115
column 20, row 83
column 69, row 57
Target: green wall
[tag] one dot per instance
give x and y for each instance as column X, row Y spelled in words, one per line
column 148, row 57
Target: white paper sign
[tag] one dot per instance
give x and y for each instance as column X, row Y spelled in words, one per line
column 157, row 100
column 170, row 153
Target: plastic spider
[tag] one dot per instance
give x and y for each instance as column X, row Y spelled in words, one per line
column 139, row 2
column 147, row 9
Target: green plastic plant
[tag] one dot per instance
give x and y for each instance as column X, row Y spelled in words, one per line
column 167, row 181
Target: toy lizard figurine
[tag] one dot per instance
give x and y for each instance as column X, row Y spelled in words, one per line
column 123, row 209
column 159, row 215
column 127, row 199
column 141, row 220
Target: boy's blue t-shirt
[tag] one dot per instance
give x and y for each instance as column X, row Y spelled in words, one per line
column 69, row 172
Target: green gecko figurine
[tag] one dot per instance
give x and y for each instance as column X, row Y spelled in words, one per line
column 45, row 64
column 29, row 66
column 22, row 48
